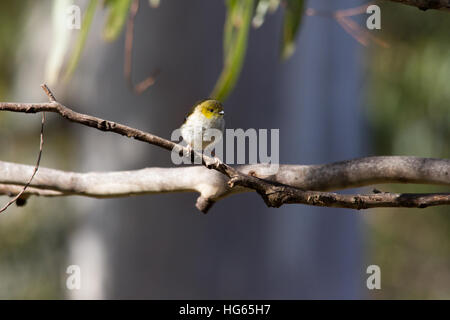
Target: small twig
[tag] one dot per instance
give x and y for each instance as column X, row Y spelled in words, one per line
column 48, row 92
column 338, row 13
column 127, row 66
column 359, row 34
column 351, row 12
column 342, row 17
column 129, row 40
column 51, row 97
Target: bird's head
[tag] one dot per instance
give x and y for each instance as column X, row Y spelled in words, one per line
column 210, row 108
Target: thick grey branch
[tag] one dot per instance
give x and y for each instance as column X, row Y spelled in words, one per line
column 213, row 186
column 284, row 187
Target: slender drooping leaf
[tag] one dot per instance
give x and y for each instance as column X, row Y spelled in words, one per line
column 262, row 7
column 154, row 3
column 237, row 25
column 229, row 31
column 118, row 13
column 292, row 18
column 81, row 40
column 60, row 42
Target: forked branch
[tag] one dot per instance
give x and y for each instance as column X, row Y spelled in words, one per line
column 284, row 187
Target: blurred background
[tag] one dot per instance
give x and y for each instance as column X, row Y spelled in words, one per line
column 333, row 99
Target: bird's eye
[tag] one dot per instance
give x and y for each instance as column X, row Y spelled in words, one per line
column 211, row 110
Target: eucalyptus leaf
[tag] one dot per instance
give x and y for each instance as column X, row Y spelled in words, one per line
column 262, row 7
column 81, row 40
column 236, row 29
column 118, row 13
column 154, row 3
column 229, row 29
column 273, row 6
column 292, row 19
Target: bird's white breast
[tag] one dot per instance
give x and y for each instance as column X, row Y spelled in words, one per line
column 194, row 130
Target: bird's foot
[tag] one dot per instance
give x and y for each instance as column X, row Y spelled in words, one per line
column 212, row 163
column 190, row 153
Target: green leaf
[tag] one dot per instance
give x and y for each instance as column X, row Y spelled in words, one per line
column 292, row 18
column 262, row 7
column 229, row 30
column 60, row 42
column 237, row 25
column 81, row 40
column 154, row 3
column 118, row 12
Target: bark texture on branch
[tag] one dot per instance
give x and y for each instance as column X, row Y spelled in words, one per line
column 287, row 186
column 277, row 195
column 90, row 121
column 212, row 185
column 324, row 177
column 426, row 4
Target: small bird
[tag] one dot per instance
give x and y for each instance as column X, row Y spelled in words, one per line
column 206, row 114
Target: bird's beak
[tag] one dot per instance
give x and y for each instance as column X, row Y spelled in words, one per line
column 222, row 112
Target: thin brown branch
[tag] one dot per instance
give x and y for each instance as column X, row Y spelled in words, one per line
column 342, row 17
column 51, row 97
column 11, row 190
column 47, row 91
column 277, row 195
column 360, row 34
column 273, row 189
column 127, row 66
column 352, row 11
column 129, row 40
column 339, row 13
column 90, row 121
column 426, row 4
